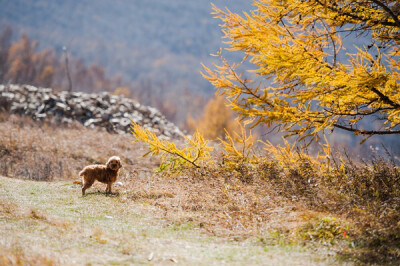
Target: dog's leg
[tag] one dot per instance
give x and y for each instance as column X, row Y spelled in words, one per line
column 108, row 188
column 86, row 185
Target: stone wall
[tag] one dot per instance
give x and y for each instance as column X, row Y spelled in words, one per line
column 110, row 112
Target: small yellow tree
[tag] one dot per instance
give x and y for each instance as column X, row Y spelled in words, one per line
column 216, row 118
column 194, row 153
column 46, row 77
column 295, row 46
column 124, row 91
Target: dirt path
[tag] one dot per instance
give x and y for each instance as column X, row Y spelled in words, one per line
column 44, row 222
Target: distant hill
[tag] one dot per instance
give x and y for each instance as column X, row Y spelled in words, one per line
column 157, row 41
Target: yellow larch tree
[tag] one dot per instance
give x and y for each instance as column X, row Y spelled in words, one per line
column 307, row 87
column 216, row 119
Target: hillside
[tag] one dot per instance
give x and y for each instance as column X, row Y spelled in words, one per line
column 143, row 41
column 151, row 219
column 108, row 112
column 288, row 208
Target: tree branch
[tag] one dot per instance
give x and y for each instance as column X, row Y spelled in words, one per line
column 360, row 113
column 184, row 158
column 367, row 132
column 385, row 98
column 389, row 11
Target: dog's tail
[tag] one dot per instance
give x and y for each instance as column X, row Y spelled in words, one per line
column 82, row 175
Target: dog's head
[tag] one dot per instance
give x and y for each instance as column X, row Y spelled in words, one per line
column 114, row 163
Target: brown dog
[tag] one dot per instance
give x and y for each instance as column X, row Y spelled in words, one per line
column 106, row 174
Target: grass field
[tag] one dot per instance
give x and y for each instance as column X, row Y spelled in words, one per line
column 50, row 223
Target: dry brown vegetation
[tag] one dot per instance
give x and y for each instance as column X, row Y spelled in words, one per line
column 15, row 255
column 46, row 151
column 353, row 208
column 339, row 199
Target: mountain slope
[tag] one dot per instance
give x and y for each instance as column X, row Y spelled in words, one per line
column 143, row 40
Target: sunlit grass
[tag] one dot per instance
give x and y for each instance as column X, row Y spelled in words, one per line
column 52, row 222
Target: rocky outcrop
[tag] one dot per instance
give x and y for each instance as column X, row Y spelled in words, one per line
column 110, row 112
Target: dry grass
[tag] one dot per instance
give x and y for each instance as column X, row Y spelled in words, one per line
column 14, row 254
column 223, row 208
column 101, row 230
column 353, row 209
column 355, row 203
column 46, row 151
